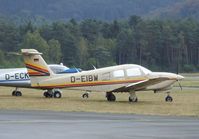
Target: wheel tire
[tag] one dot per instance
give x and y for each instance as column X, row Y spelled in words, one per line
column 50, row 95
column 111, row 97
column 57, row 94
column 13, row 93
column 168, row 99
column 45, row 94
column 133, row 100
column 85, row 95
column 18, row 93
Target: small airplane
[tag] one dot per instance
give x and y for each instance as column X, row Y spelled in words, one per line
column 122, row 78
column 19, row 78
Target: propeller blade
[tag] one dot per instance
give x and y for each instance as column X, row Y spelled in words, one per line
column 179, row 85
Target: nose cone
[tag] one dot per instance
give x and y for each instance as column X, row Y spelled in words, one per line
column 180, row 77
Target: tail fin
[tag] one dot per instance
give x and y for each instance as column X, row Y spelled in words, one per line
column 38, row 69
column 35, row 63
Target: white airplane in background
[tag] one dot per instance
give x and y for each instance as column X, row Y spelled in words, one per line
column 19, row 78
column 122, row 78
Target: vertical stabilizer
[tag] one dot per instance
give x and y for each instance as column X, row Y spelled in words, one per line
column 36, row 66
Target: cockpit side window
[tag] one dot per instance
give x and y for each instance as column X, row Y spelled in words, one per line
column 133, row 72
column 118, row 73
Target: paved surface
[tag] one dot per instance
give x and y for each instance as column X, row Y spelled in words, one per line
column 77, row 125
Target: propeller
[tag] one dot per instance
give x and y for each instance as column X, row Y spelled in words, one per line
column 180, row 85
column 179, row 76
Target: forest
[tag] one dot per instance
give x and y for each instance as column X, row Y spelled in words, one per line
column 108, row 10
column 160, row 45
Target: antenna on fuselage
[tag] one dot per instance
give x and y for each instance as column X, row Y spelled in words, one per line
column 76, row 69
column 14, row 53
column 94, row 67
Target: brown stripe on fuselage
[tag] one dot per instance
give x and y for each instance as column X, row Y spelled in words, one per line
column 88, row 84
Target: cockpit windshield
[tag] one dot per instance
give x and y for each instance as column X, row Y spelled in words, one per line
column 145, row 70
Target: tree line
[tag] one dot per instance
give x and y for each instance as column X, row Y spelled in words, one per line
column 160, row 45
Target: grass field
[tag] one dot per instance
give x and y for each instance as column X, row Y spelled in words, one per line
column 186, row 102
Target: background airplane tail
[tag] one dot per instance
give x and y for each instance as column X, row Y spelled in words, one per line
column 36, row 66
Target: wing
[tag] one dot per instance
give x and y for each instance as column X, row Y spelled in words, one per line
column 140, row 85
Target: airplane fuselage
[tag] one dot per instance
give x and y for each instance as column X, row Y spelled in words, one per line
column 104, row 79
column 17, row 77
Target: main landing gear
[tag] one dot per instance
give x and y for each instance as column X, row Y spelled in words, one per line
column 52, row 94
column 133, row 97
column 86, row 95
column 110, row 97
column 16, row 93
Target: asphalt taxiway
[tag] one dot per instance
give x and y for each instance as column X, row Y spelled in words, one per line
column 80, row 125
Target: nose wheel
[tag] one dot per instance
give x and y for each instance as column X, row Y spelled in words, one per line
column 168, row 98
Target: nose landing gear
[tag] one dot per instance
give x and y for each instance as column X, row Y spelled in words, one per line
column 168, row 98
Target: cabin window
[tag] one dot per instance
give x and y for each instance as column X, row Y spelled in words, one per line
column 133, row 72
column 118, row 73
column 106, row 76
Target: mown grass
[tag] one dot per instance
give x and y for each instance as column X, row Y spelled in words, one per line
column 185, row 102
column 191, row 80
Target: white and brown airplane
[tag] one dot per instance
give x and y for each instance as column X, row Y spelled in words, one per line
column 122, row 78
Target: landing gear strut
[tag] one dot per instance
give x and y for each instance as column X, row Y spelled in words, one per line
column 110, row 96
column 133, row 97
column 52, row 93
column 16, row 93
column 168, row 98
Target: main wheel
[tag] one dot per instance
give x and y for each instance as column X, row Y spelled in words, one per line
column 18, row 93
column 57, row 94
column 85, row 95
column 45, row 94
column 168, row 99
column 111, row 97
column 133, row 99
column 13, row 93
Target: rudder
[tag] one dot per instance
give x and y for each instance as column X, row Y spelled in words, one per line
column 35, row 64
